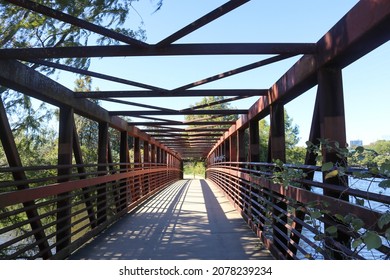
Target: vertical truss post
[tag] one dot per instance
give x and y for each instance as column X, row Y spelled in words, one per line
column 137, row 165
column 78, row 156
column 153, row 154
column 163, row 156
column 146, row 164
column 277, row 149
column 101, row 201
column 158, row 155
column 64, row 204
column 14, row 160
column 254, row 141
column 125, row 162
column 137, row 152
column 233, row 148
column 226, row 146
column 332, row 127
column 241, row 156
column 168, row 164
column 254, row 156
column 146, row 152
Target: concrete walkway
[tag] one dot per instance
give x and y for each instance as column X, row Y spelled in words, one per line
column 188, row 220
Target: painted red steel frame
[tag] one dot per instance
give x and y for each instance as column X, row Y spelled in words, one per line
column 364, row 28
column 39, row 86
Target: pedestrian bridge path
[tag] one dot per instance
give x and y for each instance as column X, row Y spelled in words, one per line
column 191, row 219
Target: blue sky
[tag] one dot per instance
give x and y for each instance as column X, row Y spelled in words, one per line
column 366, row 82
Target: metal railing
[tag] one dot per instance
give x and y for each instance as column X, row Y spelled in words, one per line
column 51, row 216
column 298, row 221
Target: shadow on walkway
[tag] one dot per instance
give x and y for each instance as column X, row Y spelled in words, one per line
column 188, row 220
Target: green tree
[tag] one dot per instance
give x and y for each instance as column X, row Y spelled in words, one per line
column 212, row 103
column 195, row 168
column 294, row 154
column 22, row 28
column 87, row 130
column 382, row 147
column 373, row 155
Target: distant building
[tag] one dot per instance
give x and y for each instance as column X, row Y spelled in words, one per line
column 355, row 143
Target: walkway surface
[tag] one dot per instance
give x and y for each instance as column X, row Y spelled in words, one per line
column 191, row 219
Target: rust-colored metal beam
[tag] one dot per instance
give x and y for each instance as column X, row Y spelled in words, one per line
column 214, row 103
column 173, row 135
column 20, row 77
column 277, row 151
column 184, row 130
column 364, row 28
column 332, row 126
column 181, row 93
column 94, row 74
column 205, row 128
column 14, row 160
column 138, row 104
column 171, row 113
column 178, row 123
column 176, row 50
column 103, row 148
column 188, row 141
column 36, row 7
column 155, row 119
column 22, row 196
column 65, row 152
column 218, row 12
column 236, row 71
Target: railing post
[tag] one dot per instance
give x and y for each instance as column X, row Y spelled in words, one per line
column 233, row 147
column 14, row 160
column 254, row 141
column 241, row 156
column 332, row 127
column 137, row 165
column 226, row 147
column 101, row 201
column 65, row 144
column 277, row 150
column 146, row 152
column 125, row 161
column 146, row 165
column 163, row 156
column 153, row 154
column 158, row 155
column 137, row 153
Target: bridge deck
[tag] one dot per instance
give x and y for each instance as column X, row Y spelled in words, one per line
column 191, row 219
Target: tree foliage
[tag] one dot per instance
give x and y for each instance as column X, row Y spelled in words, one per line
column 294, row 154
column 372, row 155
column 194, row 168
column 87, row 130
column 22, row 28
column 210, row 103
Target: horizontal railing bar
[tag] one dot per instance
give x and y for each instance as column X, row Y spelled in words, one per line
column 55, row 189
column 238, row 180
column 286, row 213
column 355, row 192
